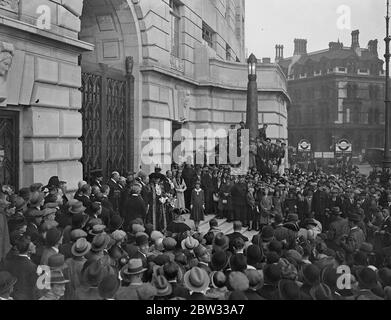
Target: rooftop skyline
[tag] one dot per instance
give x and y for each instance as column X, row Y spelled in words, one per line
column 281, row 21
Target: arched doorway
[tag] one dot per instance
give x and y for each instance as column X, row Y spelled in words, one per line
column 110, row 82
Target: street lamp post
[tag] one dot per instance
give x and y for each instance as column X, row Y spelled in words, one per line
column 252, row 98
column 387, row 154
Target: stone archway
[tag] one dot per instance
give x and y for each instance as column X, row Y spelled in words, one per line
column 112, row 85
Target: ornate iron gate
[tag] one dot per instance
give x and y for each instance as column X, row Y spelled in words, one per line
column 9, row 148
column 106, row 117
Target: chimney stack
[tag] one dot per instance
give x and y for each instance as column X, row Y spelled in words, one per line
column 279, row 53
column 300, row 47
column 355, row 39
column 335, row 46
column 372, row 47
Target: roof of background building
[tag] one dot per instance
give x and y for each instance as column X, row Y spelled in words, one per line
column 341, row 53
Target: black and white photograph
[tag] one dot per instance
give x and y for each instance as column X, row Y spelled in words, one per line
column 182, row 150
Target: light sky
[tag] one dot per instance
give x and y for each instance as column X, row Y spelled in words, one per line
column 271, row 22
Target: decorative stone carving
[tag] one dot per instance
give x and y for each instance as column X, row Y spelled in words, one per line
column 129, row 65
column 6, row 56
column 177, row 64
column 9, row 4
column 184, row 105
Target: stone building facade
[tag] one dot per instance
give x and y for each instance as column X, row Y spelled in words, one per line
column 84, row 80
column 337, row 93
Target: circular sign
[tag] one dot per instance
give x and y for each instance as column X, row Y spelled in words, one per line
column 344, row 145
column 304, row 145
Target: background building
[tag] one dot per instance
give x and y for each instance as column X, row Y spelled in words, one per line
column 87, row 78
column 336, row 93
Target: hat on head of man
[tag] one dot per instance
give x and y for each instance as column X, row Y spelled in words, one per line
column 267, row 233
column 255, row 278
column 109, row 286
column 238, row 281
column 272, row 273
column 53, row 182
column 155, row 235
column 196, row 279
column 118, row 235
column 254, row 254
column 81, row 247
column 219, row 260
column 133, row 267
column 116, row 222
column 238, row 262
column 100, row 242
column 189, row 243
column 142, row 239
column 220, row 242
column 163, row 287
column 57, row 277
column 57, row 262
column 217, row 279
column 77, row 207
column 53, row 237
column 137, row 228
column 169, row 243
column 97, row 229
column 36, row 199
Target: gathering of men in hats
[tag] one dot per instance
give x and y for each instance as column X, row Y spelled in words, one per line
column 126, row 238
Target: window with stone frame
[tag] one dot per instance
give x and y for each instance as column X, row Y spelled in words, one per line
column 352, row 91
column 347, row 115
column 376, row 116
column 175, row 27
column 208, row 35
column 356, row 115
column 374, row 91
column 371, row 119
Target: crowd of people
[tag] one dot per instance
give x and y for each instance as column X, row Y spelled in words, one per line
column 127, row 239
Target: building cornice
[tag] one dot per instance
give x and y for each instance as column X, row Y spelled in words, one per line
column 47, row 34
column 206, row 84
